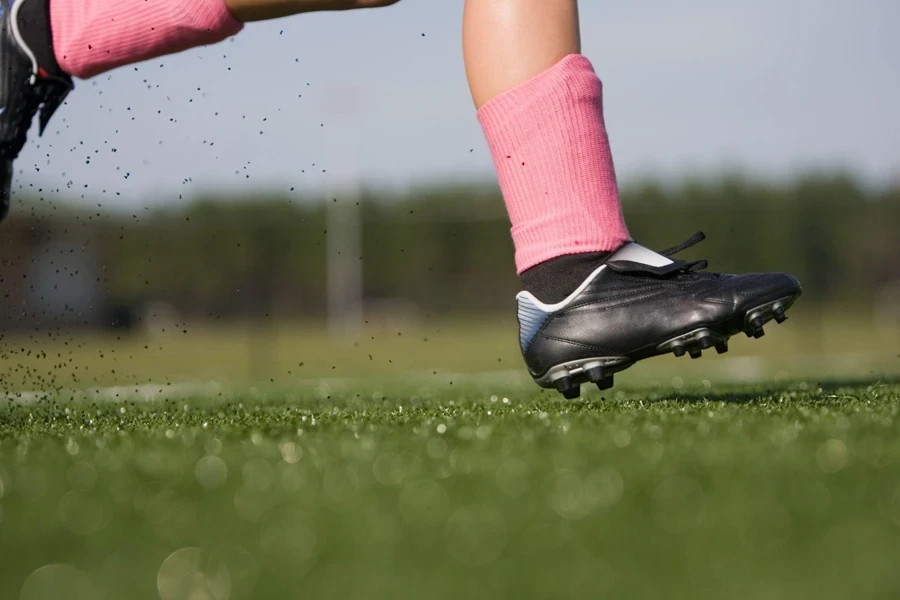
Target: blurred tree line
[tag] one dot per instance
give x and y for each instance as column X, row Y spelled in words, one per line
column 447, row 248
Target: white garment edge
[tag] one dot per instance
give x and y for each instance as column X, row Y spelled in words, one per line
column 631, row 252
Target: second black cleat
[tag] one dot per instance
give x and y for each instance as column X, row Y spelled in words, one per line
column 639, row 304
column 30, row 80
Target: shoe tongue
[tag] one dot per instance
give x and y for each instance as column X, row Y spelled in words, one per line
column 635, row 253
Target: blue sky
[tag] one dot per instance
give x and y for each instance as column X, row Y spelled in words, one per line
column 768, row 87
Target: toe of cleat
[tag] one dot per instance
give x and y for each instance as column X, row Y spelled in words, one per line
column 758, row 317
column 756, row 327
column 778, row 314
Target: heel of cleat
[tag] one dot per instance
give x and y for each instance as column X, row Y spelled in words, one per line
column 567, row 386
column 599, row 375
column 567, row 378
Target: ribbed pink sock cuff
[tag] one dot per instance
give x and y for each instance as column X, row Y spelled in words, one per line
column 93, row 36
column 550, row 147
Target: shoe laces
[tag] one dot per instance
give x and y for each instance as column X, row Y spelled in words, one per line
column 44, row 93
column 675, row 268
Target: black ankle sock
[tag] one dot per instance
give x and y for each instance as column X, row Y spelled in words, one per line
column 554, row 279
column 34, row 23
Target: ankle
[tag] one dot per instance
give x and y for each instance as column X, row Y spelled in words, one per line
column 34, row 25
column 553, row 280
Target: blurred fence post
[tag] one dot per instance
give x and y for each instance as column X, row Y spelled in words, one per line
column 262, row 333
column 342, row 105
column 344, row 247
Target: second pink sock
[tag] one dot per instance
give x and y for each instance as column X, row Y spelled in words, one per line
column 549, row 144
column 93, row 36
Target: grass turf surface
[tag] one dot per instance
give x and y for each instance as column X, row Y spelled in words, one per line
column 448, row 492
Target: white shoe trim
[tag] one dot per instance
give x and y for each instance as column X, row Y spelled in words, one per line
column 631, row 252
column 14, row 21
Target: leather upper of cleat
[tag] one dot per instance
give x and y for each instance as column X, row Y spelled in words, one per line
column 747, row 291
column 30, row 81
column 637, row 300
column 30, row 77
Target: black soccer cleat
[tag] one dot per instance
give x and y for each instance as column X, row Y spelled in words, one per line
column 641, row 304
column 30, row 80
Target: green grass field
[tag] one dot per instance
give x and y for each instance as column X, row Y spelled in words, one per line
column 421, row 462
column 472, row 490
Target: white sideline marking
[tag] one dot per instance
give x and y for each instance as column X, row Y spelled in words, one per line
column 145, row 393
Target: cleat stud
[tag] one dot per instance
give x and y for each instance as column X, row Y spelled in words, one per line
column 572, row 392
column 564, row 383
column 567, row 387
column 606, row 383
column 756, row 322
column 722, row 347
column 678, row 350
column 696, row 352
column 595, row 374
column 705, row 342
column 758, row 332
column 778, row 314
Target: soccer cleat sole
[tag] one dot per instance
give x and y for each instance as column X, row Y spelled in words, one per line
column 775, row 310
column 567, row 378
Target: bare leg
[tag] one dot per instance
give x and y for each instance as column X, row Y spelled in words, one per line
column 540, row 104
column 259, row 10
column 507, row 42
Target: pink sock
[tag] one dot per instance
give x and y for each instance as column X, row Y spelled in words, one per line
column 92, row 36
column 550, row 147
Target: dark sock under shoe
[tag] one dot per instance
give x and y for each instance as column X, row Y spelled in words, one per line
column 553, row 280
